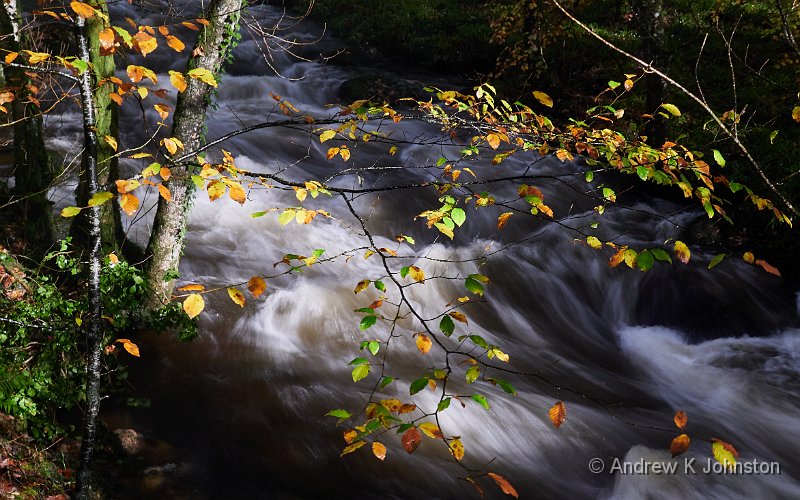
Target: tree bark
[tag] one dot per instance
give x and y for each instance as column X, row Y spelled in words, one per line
column 32, row 170
column 95, row 327
column 650, row 22
column 166, row 241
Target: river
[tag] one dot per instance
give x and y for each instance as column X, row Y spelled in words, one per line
column 240, row 412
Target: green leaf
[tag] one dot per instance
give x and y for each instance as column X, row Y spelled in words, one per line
column 443, row 404
column 446, row 325
column 480, row 400
column 360, row 372
column 459, row 216
column 661, row 254
column 386, row 381
column 504, row 385
column 258, row 214
column 479, row 341
column 373, row 347
column 593, row 242
column 718, row 158
column 673, row 110
column 643, row 172
column 70, row 211
column 379, row 285
column 404, row 271
column 716, row 260
column 287, row 216
column 367, row 321
column 358, row 361
column 612, row 84
column 589, row 177
column 100, row 198
column 418, row 385
column 645, row 260
column 338, row 414
column 474, row 286
column 472, row 373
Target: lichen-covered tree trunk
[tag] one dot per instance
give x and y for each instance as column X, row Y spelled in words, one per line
column 32, row 170
column 166, row 241
column 102, row 68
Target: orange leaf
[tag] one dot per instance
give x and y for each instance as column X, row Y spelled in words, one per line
column 680, row 419
column 163, row 110
column 107, row 40
column 767, row 267
column 423, row 343
column 129, row 204
column 679, row 445
column 411, row 439
column 11, row 56
column 502, row 219
column 617, row 258
column 191, row 26
column 175, row 43
column 192, row 287
column 350, row 436
column 493, row 140
column 379, row 450
column 147, row 43
column 129, row 346
column 82, row 9
column 236, row 192
column 557, row 414
column 164, row 192
column 504, row 485
column 165, row 173
column 257, row 286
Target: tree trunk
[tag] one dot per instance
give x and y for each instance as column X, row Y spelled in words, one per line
column 32, row 170
column 95, row 328
column 651, row 22
column 166, row 241
column 107, row 166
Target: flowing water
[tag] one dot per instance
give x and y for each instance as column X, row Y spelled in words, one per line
column 239, row 413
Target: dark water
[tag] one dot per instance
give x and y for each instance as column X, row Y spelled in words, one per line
column 239, row 412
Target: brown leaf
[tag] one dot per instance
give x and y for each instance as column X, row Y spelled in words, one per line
column 680, row 419
column 767, row 267
column 679, row 445
column 557, row 414
column 475, row 485
column 411, row 439
column 502, row 219
column 458, row 317
column 504, row 485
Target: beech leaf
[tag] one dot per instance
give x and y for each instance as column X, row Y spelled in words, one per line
column 411, row 440
column 557, row 414
column 236, row 296
column 193, row 305
column 503, row 484
column 379, row 450
column 679, row 445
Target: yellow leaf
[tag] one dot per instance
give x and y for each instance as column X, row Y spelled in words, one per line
column 361, row 286
column 113, row 259
column 300, row 194
column 236, row 296
column 344, row 152
column 557, row 414
column 503, row 484
column 129, row 346
column 177, row 80
column 11, row 56
column 431, row 430
column 796, row 113
column 423, row 343
column 458, row 317
column 331, row 153
column 543, row 98
column 493, row 140
column 502, row 219
column 349, row 436
column 163, row 111
column 236, row 192
column 327, row 135
column 682, row 252
column 165, row 173
column 70, row 211
column 748, row 257
column 142, row 91
column 456, row 448
column 129, row 204
column 416, row 274
column 175, row 43
column 37, row 57
column 594, row 242
column 111, row 142
column 99, row 198
column 628, row 84
column 724, row 453
column 193, row 305
column 192, row 287
column 203, row 75
column 164, row 192
column 215, row 189
column 147, row 43
column 257, row 286
column 379, row 450
column 353, row 447
column 171, row 144
column 679, row 445
column 82, row 9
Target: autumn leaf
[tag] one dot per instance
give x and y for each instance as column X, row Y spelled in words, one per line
column 163, row 112
column 11, row 57
column 796, row 113
column 557, row 414
column 236, row 296
column 361, row 286
column 682, row 252
column 111, row 142
column 100, row 198
column 724, row 453
column 107, row 40
column 674, row 111
column 70, row 211
column 172, row 144
column 679, row 445
column 458, row 317
column 502, row 219
column 748, row 257
column 617, row 258
column 680, row 419
column 503, row 484
column 327, row 135
column 593, row 242
column 423, row 343
column 193, row 305
column 84, row 10
column 379, row 450
column 257, row 286
column 411, row 439
column 543, row 98
column 175, row 44
column 204, row 76
column 493, row 140
column 767, row 267
column 431, row 430
column 129, row 346
column 177, row 80
column 129, row 204
column 456, row 448
column 353, row 447
column 192, row 287
column 416, row 274
column 146, row 42
column 237, row 193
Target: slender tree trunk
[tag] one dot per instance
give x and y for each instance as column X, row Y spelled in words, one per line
column 95, row 327
column 166, row 241
column 32, row 170
column 102, row 68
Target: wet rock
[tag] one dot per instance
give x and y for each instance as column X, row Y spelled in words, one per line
column 130, row 441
